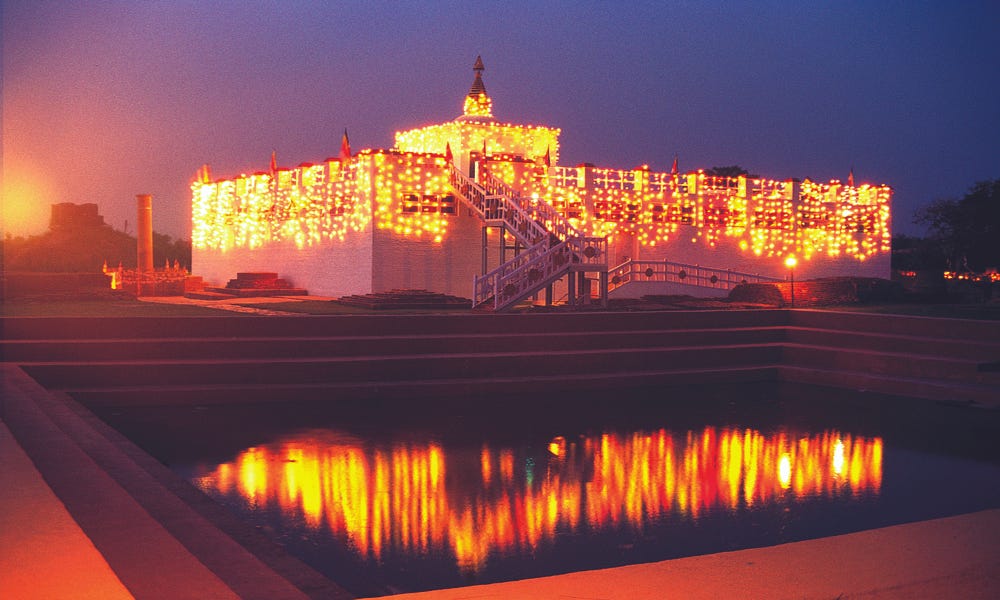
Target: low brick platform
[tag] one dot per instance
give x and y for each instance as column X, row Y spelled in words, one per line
column 406, row 300
column 250, row 285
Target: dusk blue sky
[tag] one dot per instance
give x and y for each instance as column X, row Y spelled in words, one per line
column 106, row 100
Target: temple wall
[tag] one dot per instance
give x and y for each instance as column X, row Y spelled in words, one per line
column 335, row 268
column 389, row 219
column 402, row 262
column 467, row 137
column 727, row 255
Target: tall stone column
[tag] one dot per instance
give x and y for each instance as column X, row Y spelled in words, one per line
column 144, row 233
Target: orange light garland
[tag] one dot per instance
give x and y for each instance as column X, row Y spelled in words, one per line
column 406, row 191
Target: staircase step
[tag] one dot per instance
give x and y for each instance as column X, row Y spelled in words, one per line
column 70, row 376
column 255, row 292
column 207, row 295
column 960, row 330
column 166, row 515
column 883, row 342
column 96, row 351
column 460, row 390
column 948, row 392
column 887, row 363
column 234, row 328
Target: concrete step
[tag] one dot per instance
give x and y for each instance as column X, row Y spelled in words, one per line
column 70, row 376
column 457, row 391
column 947, row 392
column 962, row 330
column 911, row 344
column 881, row 363
column 248, row 326
column 104, row 480
column 71, row 350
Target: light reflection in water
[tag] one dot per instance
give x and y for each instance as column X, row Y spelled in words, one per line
column 399, row 497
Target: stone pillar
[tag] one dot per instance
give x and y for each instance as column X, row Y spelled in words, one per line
column 144, row 233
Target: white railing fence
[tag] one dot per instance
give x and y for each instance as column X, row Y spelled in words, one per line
column 554, row 245
column 674, row 272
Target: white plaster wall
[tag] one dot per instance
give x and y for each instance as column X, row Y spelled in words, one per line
column 638, row 289
column 448, row 267
column 727, row 255
column 332, row 269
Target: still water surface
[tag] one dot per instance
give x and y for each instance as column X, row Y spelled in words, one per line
column 402, row 504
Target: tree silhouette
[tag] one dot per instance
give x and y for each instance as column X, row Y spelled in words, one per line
column 967, row 229
column 85, row 250
column 730, row 171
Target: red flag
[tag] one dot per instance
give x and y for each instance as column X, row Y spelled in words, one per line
column 673, row 168
column 274, row 161
column 345, row 147
column 850, row 178
column 447, row 153
column 548, row 157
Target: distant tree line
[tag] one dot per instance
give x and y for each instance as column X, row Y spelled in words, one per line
column 85, row 250
column 965, row 231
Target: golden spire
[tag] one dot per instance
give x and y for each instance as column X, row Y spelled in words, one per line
column 478, row 103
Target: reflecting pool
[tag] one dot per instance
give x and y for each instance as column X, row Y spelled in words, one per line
column 417, row 502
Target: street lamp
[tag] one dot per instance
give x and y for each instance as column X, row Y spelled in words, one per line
column 790, row 262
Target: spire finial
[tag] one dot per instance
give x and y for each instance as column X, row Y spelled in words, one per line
column 478, row 87
column 478, row 102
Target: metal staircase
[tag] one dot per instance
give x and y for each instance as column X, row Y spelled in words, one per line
column 553, row 247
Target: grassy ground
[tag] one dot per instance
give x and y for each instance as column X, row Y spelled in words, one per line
column 979, row 312
column 100, row 307
column 117, row 306
column 326, row 307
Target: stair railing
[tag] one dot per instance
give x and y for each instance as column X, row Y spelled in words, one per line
column 553, row 244
column 683, row 273
column 496, row 206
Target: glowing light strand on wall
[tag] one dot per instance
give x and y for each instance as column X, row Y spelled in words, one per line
column 766, row 217
column 314, row 204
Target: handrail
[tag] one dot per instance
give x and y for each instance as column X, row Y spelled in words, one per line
column 553, row 245
column 540, row 211
column 683, row 273
column 491, row 206
column 485, row 286
column 534, row 274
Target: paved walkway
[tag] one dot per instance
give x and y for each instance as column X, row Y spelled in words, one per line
column 957, row 557
column 234, row 304
column 43, row 552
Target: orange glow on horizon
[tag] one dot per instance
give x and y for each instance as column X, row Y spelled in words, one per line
column 399, row 497
column 26, row 198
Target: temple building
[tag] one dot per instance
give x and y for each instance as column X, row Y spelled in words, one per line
column 481, row 208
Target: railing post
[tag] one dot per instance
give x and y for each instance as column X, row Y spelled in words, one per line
column 496, row 292
column 485, row 249
column 603, row 282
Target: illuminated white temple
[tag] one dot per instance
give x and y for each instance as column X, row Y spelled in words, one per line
column 479, row 207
